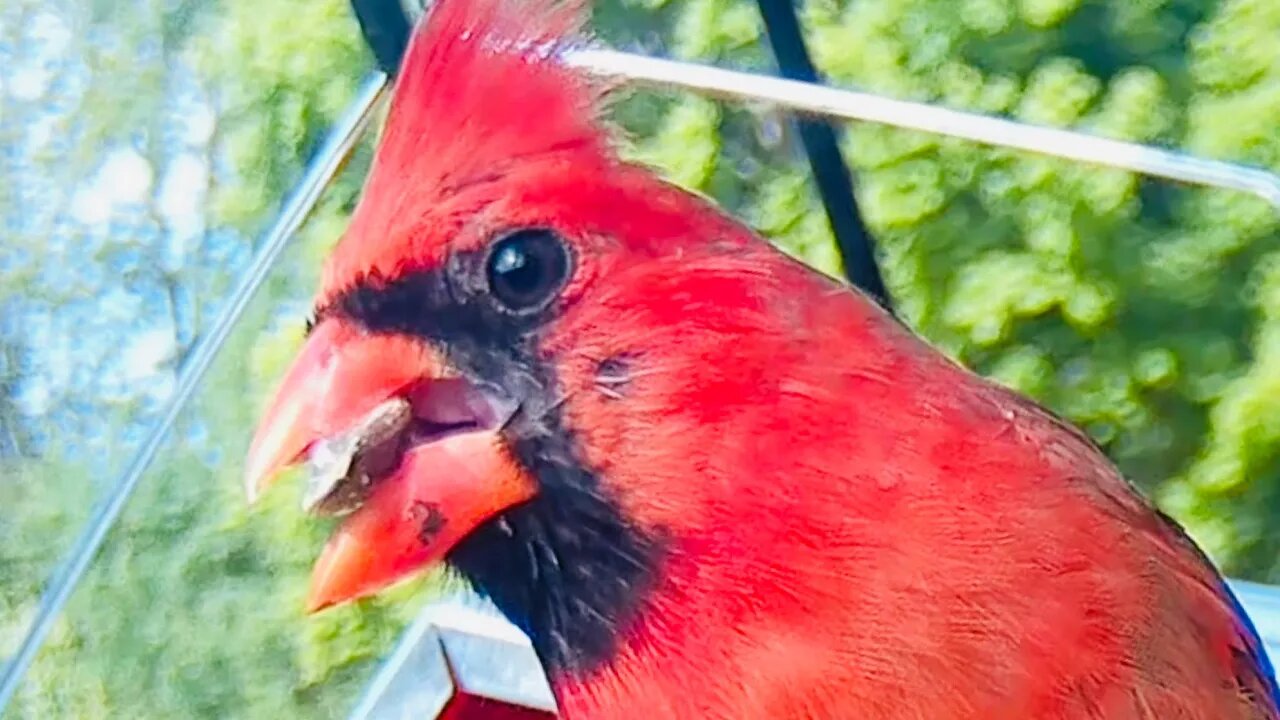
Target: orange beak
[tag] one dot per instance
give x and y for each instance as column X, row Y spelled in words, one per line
column 443, row 474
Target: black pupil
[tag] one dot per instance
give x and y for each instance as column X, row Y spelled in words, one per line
column 526, row 268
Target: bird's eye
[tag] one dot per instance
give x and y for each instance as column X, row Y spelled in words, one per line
column 526, row 268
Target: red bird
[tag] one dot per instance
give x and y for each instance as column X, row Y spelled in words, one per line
column 708, row 481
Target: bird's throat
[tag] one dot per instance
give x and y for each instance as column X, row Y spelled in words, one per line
column 566, row 567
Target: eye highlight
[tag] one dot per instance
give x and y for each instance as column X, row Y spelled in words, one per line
column 527, row 268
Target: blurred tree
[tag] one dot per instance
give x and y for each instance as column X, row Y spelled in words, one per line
column 125, row 223
column 97, row 261
column 1145, row 312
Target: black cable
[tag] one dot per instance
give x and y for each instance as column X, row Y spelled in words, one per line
column 835, row 183
column 386, row 29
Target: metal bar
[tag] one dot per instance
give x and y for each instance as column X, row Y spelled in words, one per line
column 323, row 167
column 386, row 29
column 855, row 105
column 826, row 162
column 459, row 646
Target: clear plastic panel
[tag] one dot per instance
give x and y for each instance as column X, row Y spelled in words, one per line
column 131, row 207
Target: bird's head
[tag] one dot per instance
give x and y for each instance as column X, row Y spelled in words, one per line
column 523, row 359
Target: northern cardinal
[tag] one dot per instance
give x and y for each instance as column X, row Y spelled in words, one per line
column 706, row 480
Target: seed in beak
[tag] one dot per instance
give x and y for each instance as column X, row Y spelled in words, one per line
column 342, row 469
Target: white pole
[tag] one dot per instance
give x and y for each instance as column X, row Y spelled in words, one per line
column 854, row 105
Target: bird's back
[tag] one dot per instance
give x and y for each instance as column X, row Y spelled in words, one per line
column 903, row 539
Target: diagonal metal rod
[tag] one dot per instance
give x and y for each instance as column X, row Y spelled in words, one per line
column 854, row 105
column 386, row 28
column 324, row 166
column 822, row 147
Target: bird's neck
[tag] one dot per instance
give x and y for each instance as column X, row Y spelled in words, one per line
column 621, row 619
column 567, row 568
column 717, row 636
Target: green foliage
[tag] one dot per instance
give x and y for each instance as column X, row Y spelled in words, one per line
column 281, row 78
column 1145, row 312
